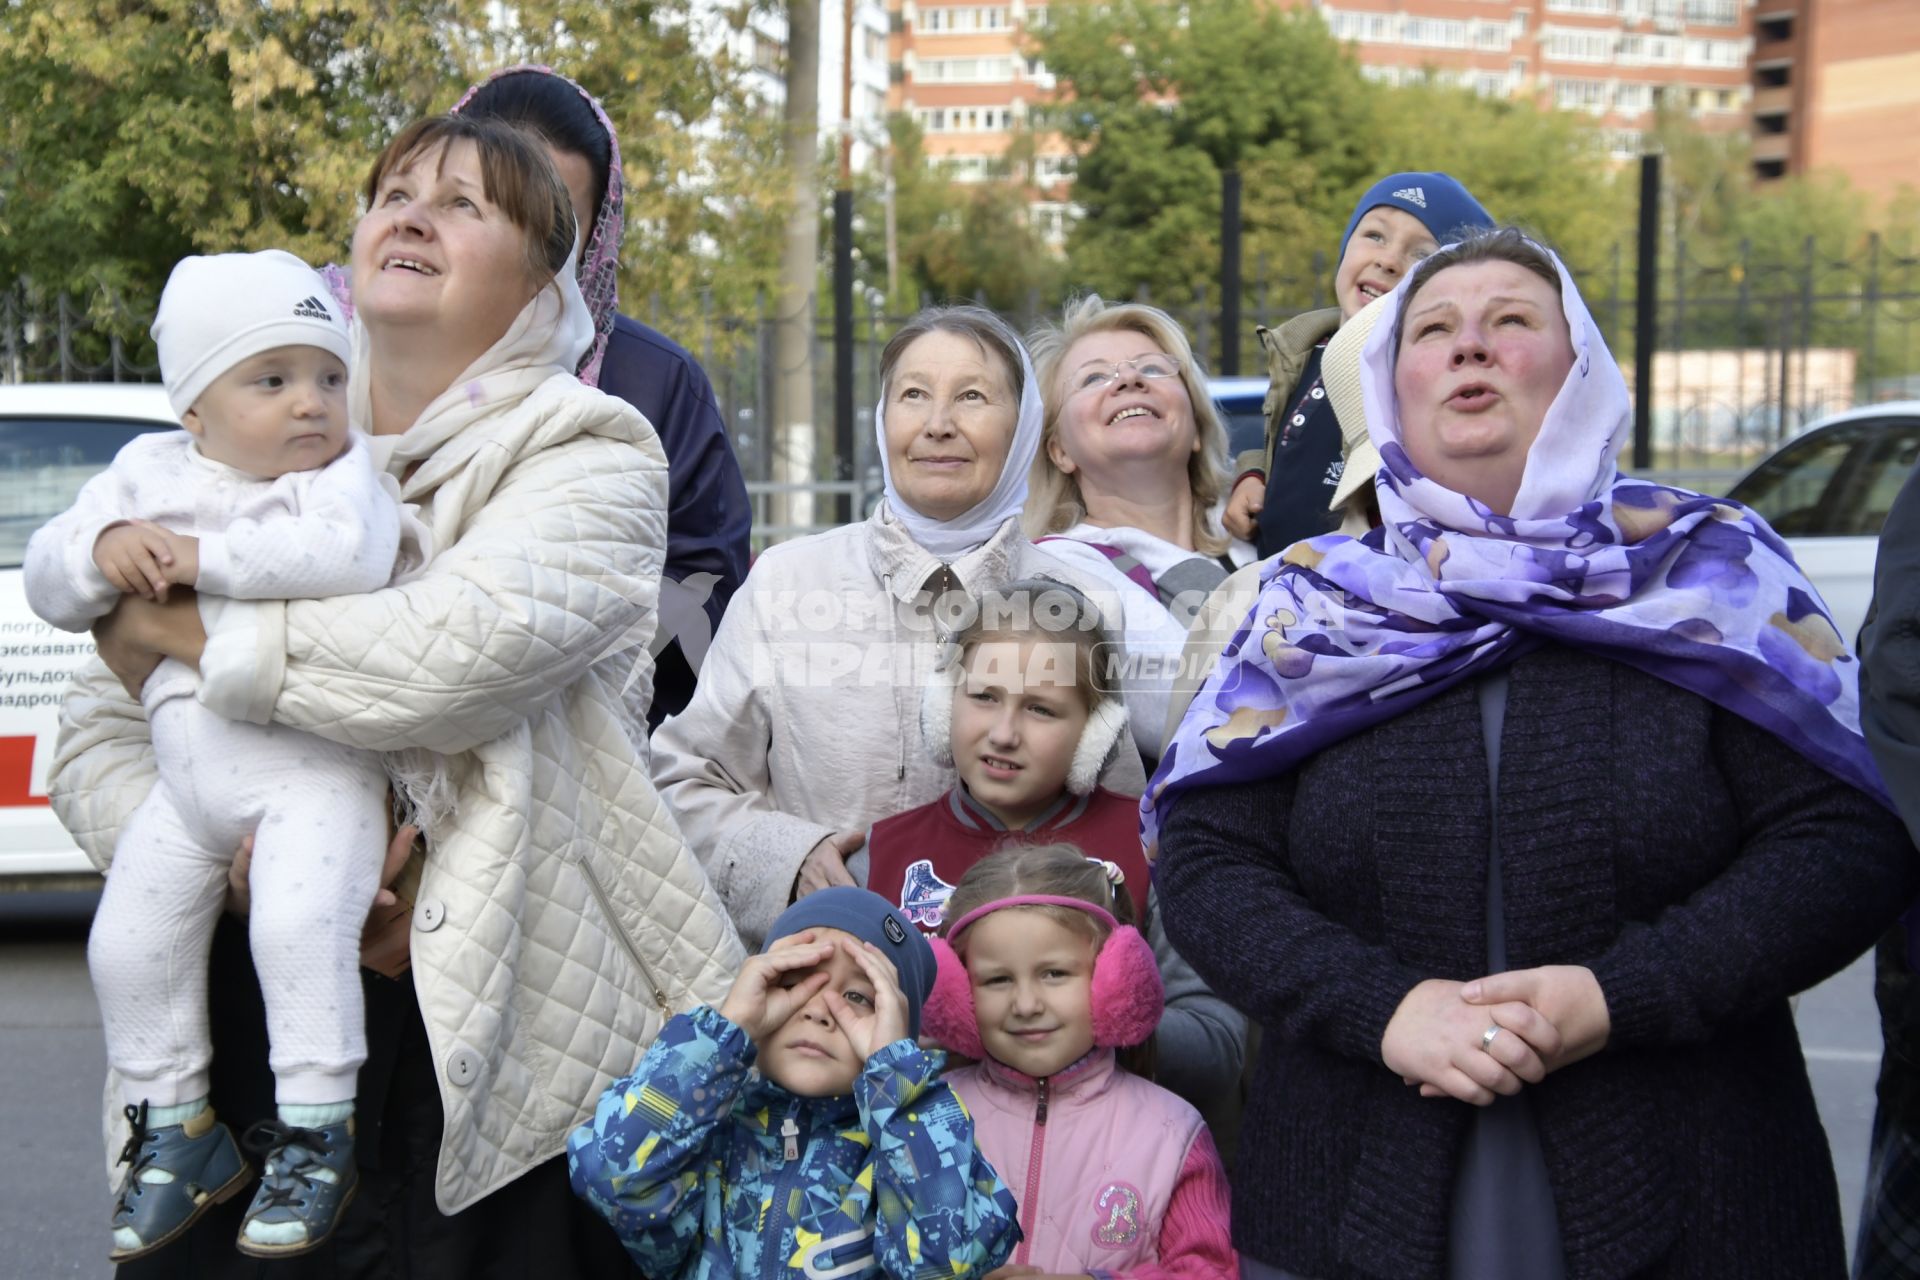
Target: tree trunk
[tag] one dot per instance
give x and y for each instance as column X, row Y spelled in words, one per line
column 794, row 429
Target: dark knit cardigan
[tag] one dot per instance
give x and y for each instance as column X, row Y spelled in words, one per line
column 1694, row 862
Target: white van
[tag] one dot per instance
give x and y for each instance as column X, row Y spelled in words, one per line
column 53, row 438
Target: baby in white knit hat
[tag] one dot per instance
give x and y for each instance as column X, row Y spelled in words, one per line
column 265, row 496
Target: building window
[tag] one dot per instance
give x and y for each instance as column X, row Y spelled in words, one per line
column 1730, row 54
column 1721, row 12
column 1493, row 36
column 1369, row 28
column 1433, row 33
column 1490, row 84
column 1577, row 44
column 1648, row 51
column 1381, row 75
column 1050, row 221
column 768, row 55
column 1662, row 51
column 964, row 18
column 965, row 168
column 1580, row 95
column 964, row 70
column 1051, row 169
column 1632, row 99
column 1579, row 6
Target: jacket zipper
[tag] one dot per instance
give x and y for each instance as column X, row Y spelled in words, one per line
column 1033, row 1177
column 790, row 1170
column 626, row 943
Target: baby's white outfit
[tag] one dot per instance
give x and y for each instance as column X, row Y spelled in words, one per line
column 316, row 809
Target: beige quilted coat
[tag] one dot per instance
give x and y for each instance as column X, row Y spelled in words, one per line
column 560, row 918
column 781, row 746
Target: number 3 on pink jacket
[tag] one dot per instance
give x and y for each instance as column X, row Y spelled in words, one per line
column 1115, row 1176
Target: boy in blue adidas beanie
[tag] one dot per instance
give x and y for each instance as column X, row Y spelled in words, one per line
column 1285, row 487
column 805, row 1091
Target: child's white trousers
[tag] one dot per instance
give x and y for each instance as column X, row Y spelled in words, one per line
column 318, row 815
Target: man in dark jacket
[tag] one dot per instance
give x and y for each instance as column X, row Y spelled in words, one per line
column 708, row 515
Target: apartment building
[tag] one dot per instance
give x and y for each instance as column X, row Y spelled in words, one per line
column 1615, row 60
column 970, row 76
column 1836, row 85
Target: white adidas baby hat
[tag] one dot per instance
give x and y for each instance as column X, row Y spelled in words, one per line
column 218, row 310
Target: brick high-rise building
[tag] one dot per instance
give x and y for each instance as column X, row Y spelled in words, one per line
column 970, row 77
column 1613, row 59
column 970, row 74
column 1837, row 86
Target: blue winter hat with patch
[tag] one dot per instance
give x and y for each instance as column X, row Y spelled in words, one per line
column 871, row 918
column 1442, row 205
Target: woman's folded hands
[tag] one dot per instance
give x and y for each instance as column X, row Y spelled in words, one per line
column 1489, row 1037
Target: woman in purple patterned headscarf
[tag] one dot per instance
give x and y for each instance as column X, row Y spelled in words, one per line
column 1542, row 797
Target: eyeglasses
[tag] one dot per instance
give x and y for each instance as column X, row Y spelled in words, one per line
column 1101, row 374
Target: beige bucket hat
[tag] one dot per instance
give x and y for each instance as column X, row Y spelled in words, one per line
column 1340, row 372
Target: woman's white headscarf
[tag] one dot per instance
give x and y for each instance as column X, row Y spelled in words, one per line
column 951, row 539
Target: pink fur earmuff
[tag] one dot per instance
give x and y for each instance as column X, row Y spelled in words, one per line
column 1127, row 995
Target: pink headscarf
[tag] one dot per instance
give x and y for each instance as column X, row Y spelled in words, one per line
column 600, row 259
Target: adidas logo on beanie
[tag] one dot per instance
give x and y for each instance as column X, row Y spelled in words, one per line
column 219, row 309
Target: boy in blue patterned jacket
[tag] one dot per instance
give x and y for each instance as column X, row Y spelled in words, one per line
column 844, row 1154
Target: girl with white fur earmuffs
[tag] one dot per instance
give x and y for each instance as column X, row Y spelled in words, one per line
column 1018, row 709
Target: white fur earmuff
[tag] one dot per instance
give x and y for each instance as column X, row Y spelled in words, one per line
column 936, row 711
column 1098, row 743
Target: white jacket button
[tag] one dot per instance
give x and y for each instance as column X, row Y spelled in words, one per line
column 463, row 1068
column 429, row 914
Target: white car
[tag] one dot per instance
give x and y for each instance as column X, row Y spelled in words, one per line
column 1827, row 491
column 53, row 438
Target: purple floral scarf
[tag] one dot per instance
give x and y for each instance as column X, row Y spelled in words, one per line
column 600, row 260
column 1348, row 633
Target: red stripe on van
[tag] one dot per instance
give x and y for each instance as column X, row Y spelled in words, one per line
column 16, row 773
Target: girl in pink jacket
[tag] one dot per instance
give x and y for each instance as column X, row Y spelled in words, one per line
column 1041, row 978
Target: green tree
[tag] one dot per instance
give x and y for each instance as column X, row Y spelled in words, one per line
column 955, row 240
column 1164, row 98
column 142, row 131
column 1543, row 170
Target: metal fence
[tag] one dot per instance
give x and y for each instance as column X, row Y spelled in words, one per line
column 1749, row 351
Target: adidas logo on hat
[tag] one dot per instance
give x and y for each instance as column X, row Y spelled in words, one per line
column 1412, row 195
column 311, row 308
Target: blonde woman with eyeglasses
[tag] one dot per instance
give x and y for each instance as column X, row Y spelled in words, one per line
column 1130, row 481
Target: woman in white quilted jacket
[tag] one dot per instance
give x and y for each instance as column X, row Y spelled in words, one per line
column 557, row 918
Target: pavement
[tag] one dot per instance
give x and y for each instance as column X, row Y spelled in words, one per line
column 54, row 1194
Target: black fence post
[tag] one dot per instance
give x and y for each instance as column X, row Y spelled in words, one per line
column 1806, row 327
column 1229, row 363
column 843, row 347
column 1865, row 376
column 1646, row 318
